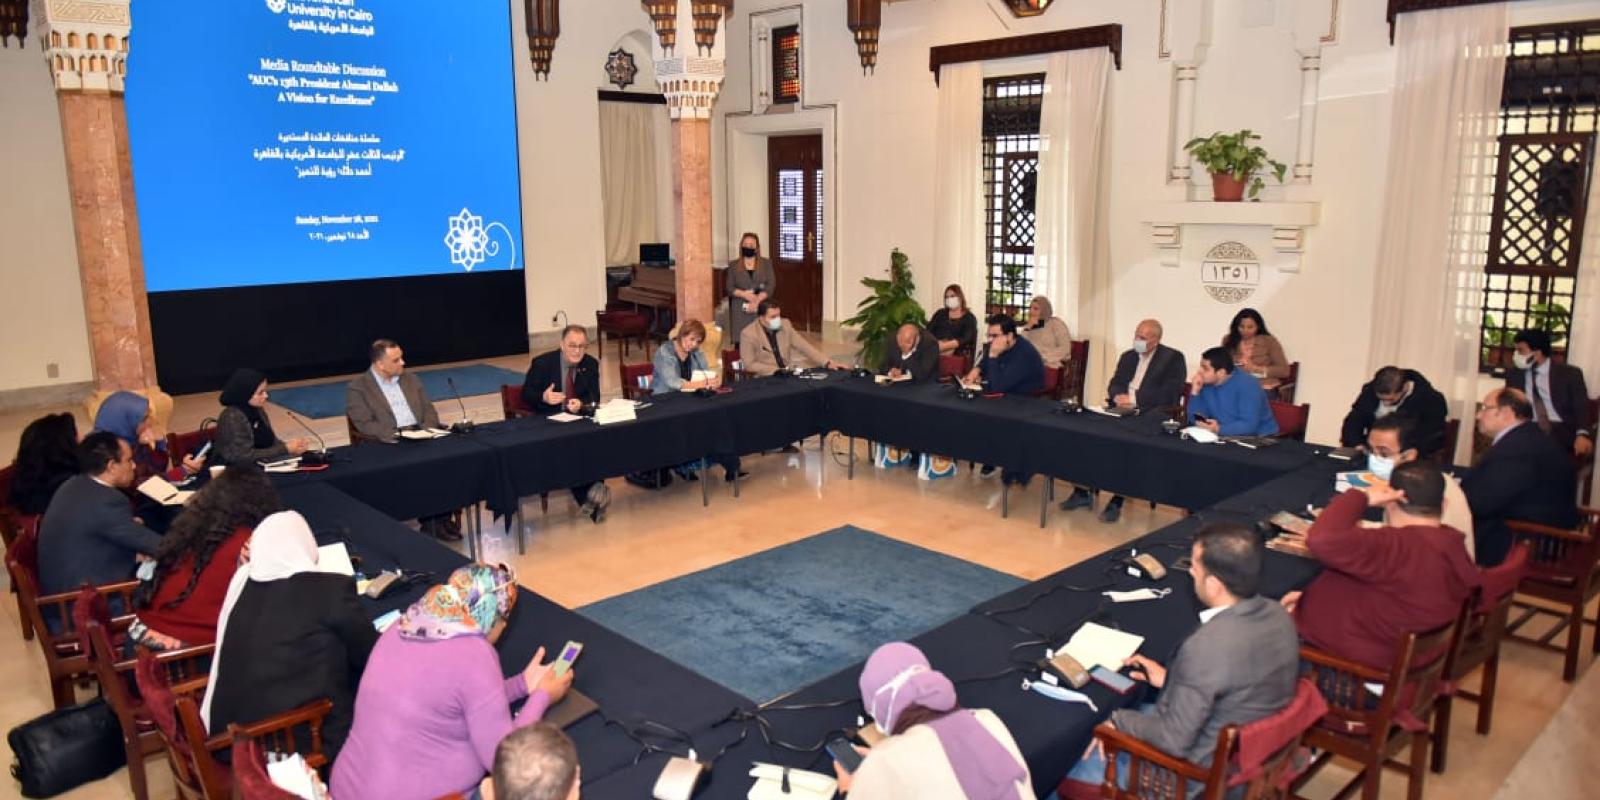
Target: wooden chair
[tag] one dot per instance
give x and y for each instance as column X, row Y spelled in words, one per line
column 182, row 444
column 511, row 404
column 1077, row 369
column 96, row 632
column 1284, row 391
column 1480, row 634
column 1586, row 464
column 952, row 367
column 1563, row 568
column 65, row 661
column 1292, row 419
column 1052, row 382
column 1373, row 730
column 636, row 379
column 623, row 325
column 1445, row 456
column 12, row 524
column 191, row 753
column 250, row 779
column 1258, row 756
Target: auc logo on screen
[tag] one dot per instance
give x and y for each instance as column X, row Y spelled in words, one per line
column 468, row 239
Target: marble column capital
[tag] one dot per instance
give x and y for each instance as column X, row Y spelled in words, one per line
column 85, row 42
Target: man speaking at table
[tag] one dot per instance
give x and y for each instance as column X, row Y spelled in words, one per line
column 568, row 380
column 770, row 344
column 386, row 398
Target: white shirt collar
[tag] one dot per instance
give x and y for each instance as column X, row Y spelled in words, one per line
column 383, row 380
column 96, row 479
column 1210, row 613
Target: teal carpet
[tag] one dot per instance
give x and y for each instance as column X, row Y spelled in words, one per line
column 784, row 618
column 327, row 399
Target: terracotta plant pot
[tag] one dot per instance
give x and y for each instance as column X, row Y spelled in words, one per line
column 1225, row 188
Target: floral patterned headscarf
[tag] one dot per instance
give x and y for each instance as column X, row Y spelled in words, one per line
column 470, row 603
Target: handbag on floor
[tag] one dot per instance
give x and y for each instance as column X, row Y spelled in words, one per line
column 66, row 748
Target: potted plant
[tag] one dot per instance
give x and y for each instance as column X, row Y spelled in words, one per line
column 892, row 303
column 1233, row 162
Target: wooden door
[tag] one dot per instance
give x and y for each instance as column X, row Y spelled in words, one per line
column 794, row 237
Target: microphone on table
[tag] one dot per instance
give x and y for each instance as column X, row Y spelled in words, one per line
column 465, row 425
column 309, row 458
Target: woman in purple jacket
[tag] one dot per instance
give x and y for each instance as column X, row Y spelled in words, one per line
column 433, row 694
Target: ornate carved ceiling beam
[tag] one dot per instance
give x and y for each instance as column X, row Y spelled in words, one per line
column 1107, row 36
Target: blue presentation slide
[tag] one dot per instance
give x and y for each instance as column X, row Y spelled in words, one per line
column 288, row 141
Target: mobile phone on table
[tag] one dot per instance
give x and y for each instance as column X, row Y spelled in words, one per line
column 844, row 753
column 1115, row 681
column 569, row 654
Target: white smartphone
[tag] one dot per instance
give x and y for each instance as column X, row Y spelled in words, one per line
column 569, row 654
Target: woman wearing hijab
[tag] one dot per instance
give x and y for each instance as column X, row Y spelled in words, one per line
column 1047, row 333
column 244, row 434
column 128, row 416
column 433, row 694
column 935, row 748
column 749, row 281
column 288, row 635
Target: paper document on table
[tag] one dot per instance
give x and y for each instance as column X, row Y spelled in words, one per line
column 335, row 559
column 615, row 411
column 701, row 375
column 1096, row 645
column 563, row 417
column 423, row 433
column 976, row 387
column 158, row 489
column 882, row 379
column 802, row 784
column 281, row 465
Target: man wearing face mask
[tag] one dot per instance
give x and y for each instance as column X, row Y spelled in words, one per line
column 1379, row 584
column 1401, row 393
column 1149, row 375
column 1240, row 665
column 1392, row 442
column 770, row 344
column 1559, row 396
column 916, row 356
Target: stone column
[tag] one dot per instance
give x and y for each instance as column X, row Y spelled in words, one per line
column 689, row 60
column 86, row 48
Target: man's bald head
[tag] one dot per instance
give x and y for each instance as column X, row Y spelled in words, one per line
column 1150, row 331
column 907, row 337
column 537, row 762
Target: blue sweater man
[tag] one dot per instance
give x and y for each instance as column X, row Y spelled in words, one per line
column 1013, row 365
column 1231, row 399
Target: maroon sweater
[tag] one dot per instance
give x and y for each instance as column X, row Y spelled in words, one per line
column 1378, row 584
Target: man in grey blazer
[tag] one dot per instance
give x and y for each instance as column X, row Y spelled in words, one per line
column 386, row 398
column 88, row 534
column 1239, row 666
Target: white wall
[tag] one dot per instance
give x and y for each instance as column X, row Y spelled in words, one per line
column 1250, row 78
column 41, row 298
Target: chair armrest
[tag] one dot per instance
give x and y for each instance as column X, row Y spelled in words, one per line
column 1536, row 529
column 1117, row 741
column 1328, row 660
column 278, row 728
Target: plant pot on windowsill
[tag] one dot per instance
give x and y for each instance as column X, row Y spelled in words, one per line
column 1234, row 164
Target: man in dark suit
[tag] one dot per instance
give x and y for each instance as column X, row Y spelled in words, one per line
column 386, row 398
column 567, row 380
column 916, row 356
column 88, row 534
column 1405, row 394
column 1559, row 396
column 1149, row 375
column 1524, row 475
column 1240, row 665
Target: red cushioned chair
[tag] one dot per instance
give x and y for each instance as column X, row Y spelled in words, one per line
column 1077, row 368
column 622, row 325
column 1480, row 634
column 1259, row 756
column 636, row 379
column 1052, row 383
column 1564, row 569
column 1291, row 419
column 1284, row 391
column 1445, row 456
column 952, row 367
column 250, row 779
column 182, row 444
column 512, row 407
column 12, row 524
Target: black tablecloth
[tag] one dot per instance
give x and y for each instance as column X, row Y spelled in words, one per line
column 1130, row 456
column 629, row 682
column 410, row 479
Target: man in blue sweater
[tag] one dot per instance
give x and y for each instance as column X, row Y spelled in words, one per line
column 1012, row 365
column 1226, row 401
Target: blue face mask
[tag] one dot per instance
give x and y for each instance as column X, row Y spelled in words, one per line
column 775, row 324
column 1380, row 466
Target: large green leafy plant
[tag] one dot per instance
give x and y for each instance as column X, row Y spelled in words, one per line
column 892, row 303
column 1233, row 154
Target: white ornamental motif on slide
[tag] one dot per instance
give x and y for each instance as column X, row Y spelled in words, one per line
column 469, row 242
column 277, row 6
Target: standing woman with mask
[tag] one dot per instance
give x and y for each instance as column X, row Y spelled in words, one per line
column 750, row 280
column 954, row 325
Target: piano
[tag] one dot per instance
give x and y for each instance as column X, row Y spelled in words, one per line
column 655, row 288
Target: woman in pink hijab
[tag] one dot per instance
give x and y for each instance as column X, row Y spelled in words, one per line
column 935, row 748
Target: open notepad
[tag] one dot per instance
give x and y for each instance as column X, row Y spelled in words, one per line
column 158, row 489
column 1096, row 645
column 423, row 433
column 701, row 375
